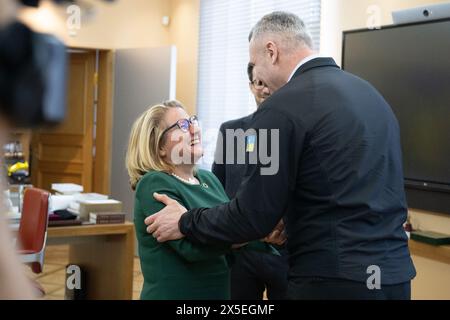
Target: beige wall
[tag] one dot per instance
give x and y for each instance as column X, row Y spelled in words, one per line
column 339, row 15
column 432, row 280
column 185, row 15
column 126, row 24
column 122, row 24
column 131, row 24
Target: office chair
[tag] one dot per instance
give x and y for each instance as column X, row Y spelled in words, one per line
column 33, row 229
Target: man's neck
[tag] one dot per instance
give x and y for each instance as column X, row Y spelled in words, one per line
column 296, row 60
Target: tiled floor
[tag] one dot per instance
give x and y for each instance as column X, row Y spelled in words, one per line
column 54, row 276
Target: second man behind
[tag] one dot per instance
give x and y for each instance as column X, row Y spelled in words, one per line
column 252, row 272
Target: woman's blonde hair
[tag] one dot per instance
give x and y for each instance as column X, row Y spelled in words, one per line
column 145, row 144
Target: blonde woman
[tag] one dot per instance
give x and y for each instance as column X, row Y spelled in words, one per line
column 165, row 144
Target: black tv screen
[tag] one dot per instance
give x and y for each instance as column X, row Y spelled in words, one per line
column 410, row 67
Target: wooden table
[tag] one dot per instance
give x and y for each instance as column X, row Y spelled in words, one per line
column 105, row 253
column 438, row 253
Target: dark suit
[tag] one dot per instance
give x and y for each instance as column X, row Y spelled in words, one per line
column 340, row 184
column 252, row 272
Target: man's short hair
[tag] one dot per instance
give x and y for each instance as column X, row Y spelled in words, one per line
column 286, row 24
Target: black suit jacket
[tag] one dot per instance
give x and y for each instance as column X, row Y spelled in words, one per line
column 340, row 181
column 230, row 175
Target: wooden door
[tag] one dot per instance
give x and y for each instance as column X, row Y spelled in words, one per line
column 64, row 153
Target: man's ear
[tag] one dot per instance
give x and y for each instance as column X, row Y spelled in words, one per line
column 272, row 51
column 250, row 86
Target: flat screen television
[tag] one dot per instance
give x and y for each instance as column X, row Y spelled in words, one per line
column 410, row 66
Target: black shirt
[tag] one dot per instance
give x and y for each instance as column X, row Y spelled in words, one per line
column 339, row 183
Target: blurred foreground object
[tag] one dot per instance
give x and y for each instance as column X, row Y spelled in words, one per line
column 33, row 73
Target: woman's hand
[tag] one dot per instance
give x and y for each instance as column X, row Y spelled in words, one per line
column 278, row 235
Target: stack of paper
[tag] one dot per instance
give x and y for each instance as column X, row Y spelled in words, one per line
column 60, row 202
column 67, row 188
column 90, row 196
column 74, row 205
column 88, row 206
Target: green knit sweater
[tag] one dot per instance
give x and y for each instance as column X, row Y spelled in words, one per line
column 180, row 269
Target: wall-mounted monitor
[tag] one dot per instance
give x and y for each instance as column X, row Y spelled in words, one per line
column 410, row 66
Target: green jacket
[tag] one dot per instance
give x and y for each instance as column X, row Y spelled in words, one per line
column 180, row 269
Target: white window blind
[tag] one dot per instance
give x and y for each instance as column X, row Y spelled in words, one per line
column 223, row 92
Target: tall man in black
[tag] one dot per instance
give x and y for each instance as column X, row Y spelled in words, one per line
column 252, row 272
column 339, row 183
